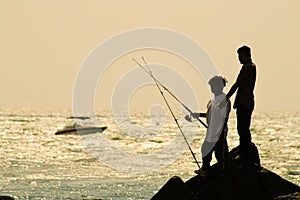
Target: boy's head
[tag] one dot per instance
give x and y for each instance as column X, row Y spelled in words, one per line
column 217, row 83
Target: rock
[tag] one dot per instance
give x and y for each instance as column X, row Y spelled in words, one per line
column 243, row 180
column 252, row 154
column 174, row 189
column 6, row 198
column 294, row 196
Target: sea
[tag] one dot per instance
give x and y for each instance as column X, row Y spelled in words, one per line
column 132, row 159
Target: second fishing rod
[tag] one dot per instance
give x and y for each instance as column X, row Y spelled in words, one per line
column 158, row 84
column 166, row 89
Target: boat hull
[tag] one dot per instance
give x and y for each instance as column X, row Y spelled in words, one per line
column 80, row 130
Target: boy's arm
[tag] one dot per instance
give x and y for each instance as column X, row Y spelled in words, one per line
column 194, row 115
column 197, row 115
column 202, row 114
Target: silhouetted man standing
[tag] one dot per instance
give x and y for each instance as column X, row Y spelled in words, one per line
column 244, row 100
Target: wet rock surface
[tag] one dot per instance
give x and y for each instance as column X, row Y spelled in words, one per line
column 242, row 180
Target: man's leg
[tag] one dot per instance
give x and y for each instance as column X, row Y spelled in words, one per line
column 243, row 127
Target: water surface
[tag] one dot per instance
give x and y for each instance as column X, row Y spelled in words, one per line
column 36, row 164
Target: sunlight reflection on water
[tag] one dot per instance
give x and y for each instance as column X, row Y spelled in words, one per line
column 36, row 164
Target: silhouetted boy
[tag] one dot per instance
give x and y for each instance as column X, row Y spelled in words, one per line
column 215, row 140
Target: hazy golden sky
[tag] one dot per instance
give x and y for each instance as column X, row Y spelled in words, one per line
column 44, row 42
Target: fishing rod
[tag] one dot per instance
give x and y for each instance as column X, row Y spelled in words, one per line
column 157, row 83
column 166, row 89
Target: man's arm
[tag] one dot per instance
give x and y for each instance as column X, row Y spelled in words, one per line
column 231, row 91
column 241, row 79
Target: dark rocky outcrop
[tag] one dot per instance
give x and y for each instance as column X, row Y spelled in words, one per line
column 6, row 198
column 294, row 196
column 243, row 180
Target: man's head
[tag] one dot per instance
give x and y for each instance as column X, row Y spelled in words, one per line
column 244, row 53
column 217, row 83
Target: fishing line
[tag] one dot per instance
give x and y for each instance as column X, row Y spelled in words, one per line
column 166, row 89
column 158, row 84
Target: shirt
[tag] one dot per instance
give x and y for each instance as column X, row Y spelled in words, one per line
column 245, row 83
column 216, row 117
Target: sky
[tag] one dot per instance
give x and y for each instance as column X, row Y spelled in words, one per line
column 44, row 43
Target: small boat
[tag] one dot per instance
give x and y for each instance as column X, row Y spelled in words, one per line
column 79, row 129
